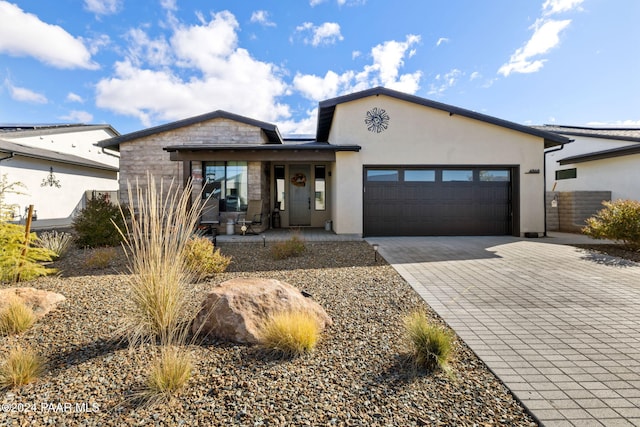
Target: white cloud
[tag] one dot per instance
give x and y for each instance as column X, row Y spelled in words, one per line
column 77, row 116
column 551, row 7
column 356, row 54
column 74, row 97
column 25, row 95
column 475, row 75
column 262, row 17
column 313, row 3
column 442, row 40
column 388, row 58
column 445, row 81
column 327, row 33
column 617, row 123
column 214, row 73
column 103, row 7
column 168, row 5
column 24, row 34
column 545, row 37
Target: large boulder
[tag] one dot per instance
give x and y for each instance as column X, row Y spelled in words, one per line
column 40, row 301
column 235, row 310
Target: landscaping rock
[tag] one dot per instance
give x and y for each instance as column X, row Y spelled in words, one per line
column 235, row 310
column 40, row 301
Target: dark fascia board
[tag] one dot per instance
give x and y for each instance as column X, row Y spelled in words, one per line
column 599, row 135
column 327, row 108
column 15, row 149
column 271, row 130
column 264, row 147
column 51, row 129
column 600, row 155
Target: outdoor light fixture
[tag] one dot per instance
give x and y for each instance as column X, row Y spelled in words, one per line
column 264, row 241
column 375, row 251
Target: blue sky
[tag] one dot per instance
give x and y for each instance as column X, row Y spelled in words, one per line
column 135, row 64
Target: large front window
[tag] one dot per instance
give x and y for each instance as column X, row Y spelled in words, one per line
column 227, row 181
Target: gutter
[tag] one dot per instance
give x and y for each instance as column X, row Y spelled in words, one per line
column 12, row 155
column 544, row 177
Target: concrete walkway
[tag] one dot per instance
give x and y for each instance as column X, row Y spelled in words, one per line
column 560, row 327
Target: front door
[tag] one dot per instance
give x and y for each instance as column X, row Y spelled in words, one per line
column 300, row 195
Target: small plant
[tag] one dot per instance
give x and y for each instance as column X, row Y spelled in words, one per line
column 58, row 243
column 16, row 317
column 289, row 248
column 619, row 221
column 19, row 260
column 168, row 374
column 7, row 210
column 101, row 258
column 290, row 333
column 21, row 366
column 432, row 345
column 203, row 259
column 98, row 223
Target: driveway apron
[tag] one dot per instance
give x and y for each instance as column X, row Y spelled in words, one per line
column 559, row 326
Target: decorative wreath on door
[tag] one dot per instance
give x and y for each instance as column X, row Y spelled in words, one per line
column 299, row 180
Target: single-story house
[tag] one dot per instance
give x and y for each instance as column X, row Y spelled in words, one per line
column 59, row 165
column 382, row 163
column 600, row 164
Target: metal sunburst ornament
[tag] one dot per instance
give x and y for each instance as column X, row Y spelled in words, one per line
column 377, row 120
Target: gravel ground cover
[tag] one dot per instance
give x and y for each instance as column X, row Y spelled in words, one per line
column 359, row 375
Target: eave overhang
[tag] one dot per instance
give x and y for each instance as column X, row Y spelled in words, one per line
column 264, row 152
column 600, row 155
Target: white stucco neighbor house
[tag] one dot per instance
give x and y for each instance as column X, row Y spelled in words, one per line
column 59, row 164
column 382, row 163
column 601, row 163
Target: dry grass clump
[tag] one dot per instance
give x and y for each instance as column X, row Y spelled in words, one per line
column 58, row 243
column 432, row 344
column 203, row 259
column 101, row 258
column 17, row 317
column 289, row 248
column 290, row 333
column 21, row 366
column 168, row 374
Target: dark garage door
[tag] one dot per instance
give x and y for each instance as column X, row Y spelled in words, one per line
column 437, row 201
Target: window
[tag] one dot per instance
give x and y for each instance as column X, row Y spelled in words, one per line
column 390, row 175
column 320, row 188
column 227, row 181
column 566, row 173
column 495, row 175
column 449, row 175
column 279, row 177
column 419, row 175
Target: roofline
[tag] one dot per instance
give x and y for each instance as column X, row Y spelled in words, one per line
column 64, row 158
column 52, row 129
column 264, row 147
column 270, row 129
column 600, row 155
column 600, row 135
column 326, row 110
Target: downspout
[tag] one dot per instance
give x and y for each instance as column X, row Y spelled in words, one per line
column 544, row 177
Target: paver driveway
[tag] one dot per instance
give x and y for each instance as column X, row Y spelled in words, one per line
column 559, row 327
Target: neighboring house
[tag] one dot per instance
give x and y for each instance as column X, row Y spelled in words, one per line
column 382, row 163
column 599, row 164
column 59, row 165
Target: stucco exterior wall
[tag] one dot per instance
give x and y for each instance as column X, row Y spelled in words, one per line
column 419, row 135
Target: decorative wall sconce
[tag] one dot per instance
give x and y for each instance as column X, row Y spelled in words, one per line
column 50, row 180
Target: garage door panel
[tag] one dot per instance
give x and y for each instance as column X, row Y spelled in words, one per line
column 438, row 208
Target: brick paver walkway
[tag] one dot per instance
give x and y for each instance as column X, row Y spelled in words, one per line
column 559, row 327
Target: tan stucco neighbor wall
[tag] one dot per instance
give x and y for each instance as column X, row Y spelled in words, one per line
column 419, row 135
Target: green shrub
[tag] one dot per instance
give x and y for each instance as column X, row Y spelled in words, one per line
column 16, row 317
column 58, row 243
column 288, row 248
column 100, row 258
column 290, row 333
column 432, row 344
column 97, row 224
column 619, row 221
column 6, row 187
column 21, row 366
column 16, row 265
column 203, row 259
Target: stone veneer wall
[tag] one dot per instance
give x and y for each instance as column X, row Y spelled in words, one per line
column 573, row 208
